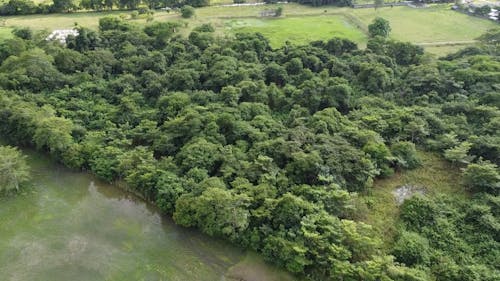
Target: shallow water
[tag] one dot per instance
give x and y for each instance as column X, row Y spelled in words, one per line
column 70, row 226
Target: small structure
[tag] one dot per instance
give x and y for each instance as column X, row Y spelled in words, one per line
column 493, row 14
column 61, row 35
column 268, row 13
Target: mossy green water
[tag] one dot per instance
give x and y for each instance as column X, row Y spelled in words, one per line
column 69, row 226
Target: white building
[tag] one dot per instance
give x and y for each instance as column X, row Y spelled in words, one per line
column 61, row 35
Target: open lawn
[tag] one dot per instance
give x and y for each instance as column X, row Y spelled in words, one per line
column 300, row 30
column 434, row 24
column 301, row 24
column 5, row 33
column 58, row 21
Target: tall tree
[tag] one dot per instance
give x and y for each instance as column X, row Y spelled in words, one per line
column 379, row 27
column 14, row 170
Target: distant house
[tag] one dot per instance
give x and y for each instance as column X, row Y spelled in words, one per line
column 61, row 35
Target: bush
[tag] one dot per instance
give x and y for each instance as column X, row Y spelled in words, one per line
column 411, row 249
column 405, row 155
column 23, row 32
column 187, row 11
column 279, row 11
column 482, row 11
column 418, row 212
column 143, row 10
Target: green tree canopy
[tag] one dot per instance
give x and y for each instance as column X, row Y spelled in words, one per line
column 14, row 170
column 379, row 27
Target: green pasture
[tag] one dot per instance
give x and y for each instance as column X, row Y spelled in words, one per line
column 437, row 23
column 59, row 21
column 299, row 30
column 5, row 33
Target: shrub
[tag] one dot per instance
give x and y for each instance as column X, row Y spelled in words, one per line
column 405, row 155
column 187, row 11
column 411, row 249
column 279, row 11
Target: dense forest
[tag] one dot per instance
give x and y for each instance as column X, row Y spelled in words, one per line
column 269, row 148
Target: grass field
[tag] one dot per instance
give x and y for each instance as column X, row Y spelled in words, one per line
column 435, row 174
column 301, row 24
column 5, row 32
column 299, row 30
column 434, row 24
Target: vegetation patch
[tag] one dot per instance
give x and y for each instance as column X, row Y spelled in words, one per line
column 435, row 174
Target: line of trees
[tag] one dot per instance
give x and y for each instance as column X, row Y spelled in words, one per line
column 26, row 7
column 265, row 147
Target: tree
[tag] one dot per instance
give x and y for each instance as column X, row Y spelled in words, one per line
column 216, row 211
column 92, row 4
column 32, row 69
column 14, row 171
column 63, row 6
column 459, row 153
column 483, row 176
column 375, row 77
column 405, row 155
column 379, row 27
column 187, row 11
column 113, row 23
column 53, row 134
